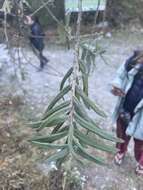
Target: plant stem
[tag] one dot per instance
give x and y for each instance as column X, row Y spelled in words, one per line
column 75, row 76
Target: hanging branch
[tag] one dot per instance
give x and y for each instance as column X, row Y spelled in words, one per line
column 67, row 116
column 74, row 81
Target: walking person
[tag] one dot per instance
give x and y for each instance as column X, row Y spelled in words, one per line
column 128, row 114
column 36, row 38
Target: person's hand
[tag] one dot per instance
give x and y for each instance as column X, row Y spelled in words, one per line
column 117, row 92
column 140, row 60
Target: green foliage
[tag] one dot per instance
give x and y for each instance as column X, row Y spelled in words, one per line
column 67, row 75
column 73, row 130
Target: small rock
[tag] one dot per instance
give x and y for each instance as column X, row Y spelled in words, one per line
column 108, row 35
column 46, row 153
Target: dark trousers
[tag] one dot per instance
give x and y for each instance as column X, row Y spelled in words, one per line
column 138, row 144
column 43, row 59
column 39, row 54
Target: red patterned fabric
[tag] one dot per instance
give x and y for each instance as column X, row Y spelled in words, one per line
column 138, row 144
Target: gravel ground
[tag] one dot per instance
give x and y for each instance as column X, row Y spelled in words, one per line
column 39, row 87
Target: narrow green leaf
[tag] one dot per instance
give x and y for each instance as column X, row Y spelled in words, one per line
column 93, row 143
column 96, row 130
column 49, row 145
column 90, row 102
column 55, row 109
column 81, row 143
column 67, row 75
column 82, row 67
column 59, row 155
column 79, row 109
column 50, row 138
column 54, row 119
column 56, row 129
column 79, row 150
column 59, row 96
column 85, row 84
column 53, row 122
column 55, row 114
column 76, row 156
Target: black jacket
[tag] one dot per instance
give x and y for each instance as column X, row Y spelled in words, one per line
column 37, row 36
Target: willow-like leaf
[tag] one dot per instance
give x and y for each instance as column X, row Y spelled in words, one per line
column 55, row 109
column 59, row 96
column 82, row 67
column 96, row 130
column 81, row 142
column 53, row 122
column 59, row 155
column 52, row 119
column 89, row 62
column 93, row 143
column 56, row 114
column 57, row 128
column 80, row 151
column 79, row 109
column 67, row 75
column 89, row 102
column 85, row 88
column 50, row 138
column 49, row 145
column 85, row 83
column 61, row 127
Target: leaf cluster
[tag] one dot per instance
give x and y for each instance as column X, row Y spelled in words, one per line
column 73, row 138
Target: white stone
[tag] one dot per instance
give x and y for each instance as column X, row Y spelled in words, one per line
column 108, row 35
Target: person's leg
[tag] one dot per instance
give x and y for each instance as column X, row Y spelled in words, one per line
column 138, row 150
column 121, row 133
column 43, row 60
column 122, row 147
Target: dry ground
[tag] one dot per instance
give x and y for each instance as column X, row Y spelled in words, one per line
column 25, row 100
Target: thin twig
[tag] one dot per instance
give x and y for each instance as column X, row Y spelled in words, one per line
column 55, row 18
column 5, row 24
column 41, row 7
column 97, row 13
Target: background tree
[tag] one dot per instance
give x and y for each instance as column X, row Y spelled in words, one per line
column 123, row 11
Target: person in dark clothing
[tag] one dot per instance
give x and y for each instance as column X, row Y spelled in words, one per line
column 135, row 93
column 37, row 38
column 130, row 101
